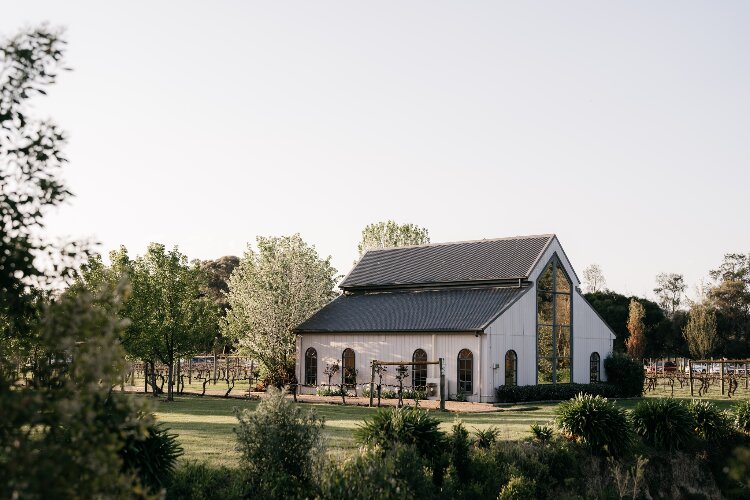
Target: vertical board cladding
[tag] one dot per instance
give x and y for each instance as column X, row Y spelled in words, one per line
column 590, row 334
column 391, row 347
column 514, row 330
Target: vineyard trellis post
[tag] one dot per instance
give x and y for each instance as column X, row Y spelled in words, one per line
column 441, row 364
column 722, row 379
column 372, row 382
column 690, row 367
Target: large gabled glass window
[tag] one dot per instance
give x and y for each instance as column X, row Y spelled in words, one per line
column 554, row 321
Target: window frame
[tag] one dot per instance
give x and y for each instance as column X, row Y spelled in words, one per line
column 514, row 368
column 556, row 266
column 462, row 385
column 346, row 379
column 311, row 370
column 419, row 370
column 598, row 368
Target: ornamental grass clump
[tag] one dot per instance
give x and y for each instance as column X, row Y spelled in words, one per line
column 409, row 426
column 711, row 424
column 741, row 414
column 596, row 421
column 664, row 423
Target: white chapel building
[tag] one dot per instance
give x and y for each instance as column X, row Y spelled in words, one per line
column 499, row 311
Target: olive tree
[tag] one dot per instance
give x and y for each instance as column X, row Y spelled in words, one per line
column 274, row 289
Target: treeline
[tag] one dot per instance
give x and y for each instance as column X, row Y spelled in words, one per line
column 715, row 323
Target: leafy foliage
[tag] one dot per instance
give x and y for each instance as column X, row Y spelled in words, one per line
column 407, row 425
column 198, row 480
column 665, row 423
column 272, row 291
column 541, row 433
column 636, row 343
column 553, row 392
column 485, row 438
column 153, row 457
column 518, row 488
column 741, row 413
column 390, row 234
column 700, row 331
column 596, row 421
column 711, row 424
column 626, row 374
column 280, row 445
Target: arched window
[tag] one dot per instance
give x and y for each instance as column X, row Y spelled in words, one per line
column 594, row 367
column 465, row 371
column 554, row 322
column 419, row 372
column 511, row 368
column 348, row 370
column 311, row 367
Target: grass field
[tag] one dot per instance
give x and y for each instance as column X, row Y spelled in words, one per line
column 204, row 424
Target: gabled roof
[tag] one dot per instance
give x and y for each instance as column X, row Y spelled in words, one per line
column 445, row 263
column 435, row 310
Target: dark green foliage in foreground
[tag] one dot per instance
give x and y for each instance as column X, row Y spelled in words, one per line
column 553, row 392
column 397, row 473
column 199, row 481
column 626, row 374
column 741, row 416
column 518, row 488
column 152, row 458
column 487, row 437
column 664, row 423
column 409, row 426
column 281, row 446
column 598, row 422
column 711, row 423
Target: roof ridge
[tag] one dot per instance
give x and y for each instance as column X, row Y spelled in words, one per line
column 459, row 242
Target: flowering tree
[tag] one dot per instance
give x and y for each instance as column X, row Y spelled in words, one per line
column 274, row 289
column 391, row 234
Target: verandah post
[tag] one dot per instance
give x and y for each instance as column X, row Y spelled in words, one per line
column 372, row 381
column 442, row 383
column 690, row 367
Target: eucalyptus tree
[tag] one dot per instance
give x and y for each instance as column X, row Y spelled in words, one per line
column 391, row 234
column 273, row 290
column 670, row 291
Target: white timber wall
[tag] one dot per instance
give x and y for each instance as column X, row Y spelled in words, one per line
column 391, row 347
column 590, row 334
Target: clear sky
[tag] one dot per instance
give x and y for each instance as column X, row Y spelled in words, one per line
column 621, row 126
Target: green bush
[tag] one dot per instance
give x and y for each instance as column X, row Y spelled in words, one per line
column 711, row 424
column 459, row 447
column 152, row 457
column 193, row 480
column 410, row 426
column 553, row 392
column 518, row 488
column 741, row 414
column 626, row 374
column 596, row 421
column 280, row 446
column 329, row 390
column 664, row 423
column 487, row 437
column 398, row 473
column 541, row 433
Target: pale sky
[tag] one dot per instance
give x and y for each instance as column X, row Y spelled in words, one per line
column 623, row 127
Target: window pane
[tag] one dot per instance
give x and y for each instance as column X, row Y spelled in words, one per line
column 544, row 342
column 562, row 308
column 563, row 370
column 544, row 370
column 545, row 279
column 511, row 368
column 544, row 308
column 562, row 281
column 419, row 372
column 594, row 367
column 348, row 370
column 563, row 341
column 311, row 367
column 465, row 371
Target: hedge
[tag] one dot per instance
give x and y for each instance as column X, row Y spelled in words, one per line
column 553, row 392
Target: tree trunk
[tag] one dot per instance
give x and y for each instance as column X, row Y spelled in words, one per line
column 170, row 379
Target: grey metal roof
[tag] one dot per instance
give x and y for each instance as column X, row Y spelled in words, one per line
column 469, row 261
column 436, row 310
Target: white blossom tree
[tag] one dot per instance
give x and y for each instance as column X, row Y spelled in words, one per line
column 391, row 234
column 594, row 279
column 274, row 289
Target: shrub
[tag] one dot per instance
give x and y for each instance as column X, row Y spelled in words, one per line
column 329, row 390
column 193, row 480
column 460, row 451
column 541, row 433
column 280, row 445
column 398, row 473
column 665, row 423
column 553, row 392
column 626, row 374
column 487, row 437
column 596, row 421
column 710, row 422
column 410, row 426
column 152, row 457
column 518, row 488
column 741, row 414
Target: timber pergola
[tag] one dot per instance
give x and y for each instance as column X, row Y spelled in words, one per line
column 730, row 377
column 440, row 362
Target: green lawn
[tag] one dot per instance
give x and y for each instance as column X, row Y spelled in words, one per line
column 204, row 424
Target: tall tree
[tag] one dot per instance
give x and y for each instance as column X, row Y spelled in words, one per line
column 594, row 279
column 636, row 343
column 273, row 290
column 390, row 234
column 730, row 297
column 670, row 290
column 700, row 331
column 217, row 274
